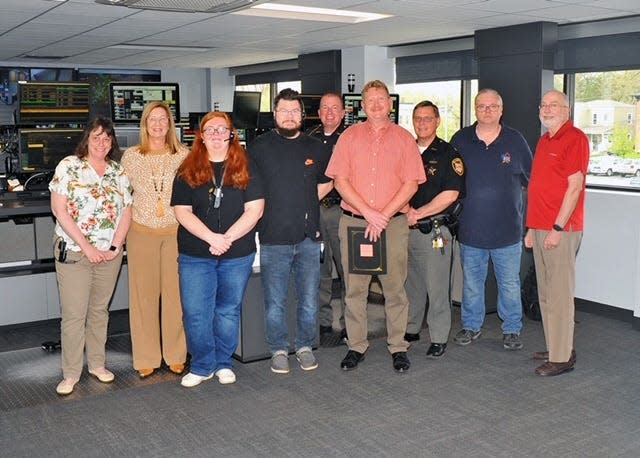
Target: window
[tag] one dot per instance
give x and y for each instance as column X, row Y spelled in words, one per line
column 295, row 85
column 265, row 99
column 446, row 95
column 606, row 109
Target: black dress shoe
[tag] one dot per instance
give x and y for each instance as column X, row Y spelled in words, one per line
column 351, row 361
column 326, row 329
column 400, row 361
column 550, row 369
column 436, row 350
column 343, row 337
column 409, row 337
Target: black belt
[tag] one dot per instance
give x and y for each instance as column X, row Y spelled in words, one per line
column 354, row 215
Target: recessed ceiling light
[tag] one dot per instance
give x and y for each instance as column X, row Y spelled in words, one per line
column 305, row 13
column 161, row 48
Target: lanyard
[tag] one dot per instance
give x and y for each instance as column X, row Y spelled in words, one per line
column 215, row 193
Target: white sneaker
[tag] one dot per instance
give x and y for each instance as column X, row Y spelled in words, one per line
column 226, row 376
column 190, row 380
column 66, row 386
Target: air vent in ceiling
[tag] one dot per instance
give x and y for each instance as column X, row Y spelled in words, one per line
column 189, row 6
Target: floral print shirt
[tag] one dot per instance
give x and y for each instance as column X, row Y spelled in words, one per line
column 95, row 203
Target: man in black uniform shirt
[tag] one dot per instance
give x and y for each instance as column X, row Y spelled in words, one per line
column 330, row 314
column 292, row 167
column 430, row 254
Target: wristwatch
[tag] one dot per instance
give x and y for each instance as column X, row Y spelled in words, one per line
column 114, row 248
column 558, row 228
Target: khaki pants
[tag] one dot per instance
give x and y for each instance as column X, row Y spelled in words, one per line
column 396, row 305
column 85, row 293
column 556, row 273
column 155, row 310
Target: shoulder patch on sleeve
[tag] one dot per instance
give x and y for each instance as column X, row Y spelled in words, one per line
column 458, row 166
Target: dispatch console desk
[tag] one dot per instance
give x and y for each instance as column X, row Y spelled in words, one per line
column 28, row 286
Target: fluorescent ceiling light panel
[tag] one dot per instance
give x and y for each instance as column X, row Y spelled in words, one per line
column 161, row 48
column 305, row 13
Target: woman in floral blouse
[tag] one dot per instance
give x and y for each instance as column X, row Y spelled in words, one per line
column 91, row 200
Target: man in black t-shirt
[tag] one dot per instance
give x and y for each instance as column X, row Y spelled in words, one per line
column 292, row 166
column 430, row 254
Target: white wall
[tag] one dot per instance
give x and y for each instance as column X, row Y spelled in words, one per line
column 367, row 63
column 194, row 84
column 608, row 264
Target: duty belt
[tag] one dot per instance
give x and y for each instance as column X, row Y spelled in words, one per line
column 329, row 202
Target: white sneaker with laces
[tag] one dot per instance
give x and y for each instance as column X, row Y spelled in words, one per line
column 226, row 376
column 190, row 380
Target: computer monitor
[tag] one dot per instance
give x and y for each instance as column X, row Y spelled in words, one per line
column 311, row 105
column 246, row 108
column 128, row 99
column 195, row 118
column 265, row 120
column 354, row 112
column 42, row 149
column 40, row 102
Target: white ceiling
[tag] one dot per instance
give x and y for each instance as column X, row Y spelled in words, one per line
column 79, row 33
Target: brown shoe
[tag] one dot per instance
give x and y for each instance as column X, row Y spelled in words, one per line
column 544, row 356
column 144, row 373
column 177, row 368
column 551, row 369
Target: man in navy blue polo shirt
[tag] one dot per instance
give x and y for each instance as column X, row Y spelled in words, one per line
column 498, row 165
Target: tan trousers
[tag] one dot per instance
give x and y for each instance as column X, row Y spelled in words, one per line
column 155, row 310
column 396, row 305
column 85, row 293
column 555, row 273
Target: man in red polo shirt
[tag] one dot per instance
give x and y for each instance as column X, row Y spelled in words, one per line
column 555, row 217
column 377, row 168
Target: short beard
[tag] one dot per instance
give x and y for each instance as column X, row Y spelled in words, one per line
column 288, row 133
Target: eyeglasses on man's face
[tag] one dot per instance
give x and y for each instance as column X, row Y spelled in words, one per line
column 551, row 106
column 493, row 107
column 211, row 131
column 295, row 112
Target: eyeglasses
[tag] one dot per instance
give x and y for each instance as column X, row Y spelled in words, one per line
column 294, row 112
column 160, row 119
column 492, row 107
column 211, row 131
column 330, row 107
column 551, row 106
column 100, row 140
column 418, row 119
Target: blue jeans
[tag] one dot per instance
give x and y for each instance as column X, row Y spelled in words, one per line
column 506, row 265
column 212, row 292
column 277, row 262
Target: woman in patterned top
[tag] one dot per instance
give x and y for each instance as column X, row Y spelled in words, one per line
column 91, row 200
column 155, row 312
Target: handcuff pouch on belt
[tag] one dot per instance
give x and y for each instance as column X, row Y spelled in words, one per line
column 329, row 202
column 449, row 219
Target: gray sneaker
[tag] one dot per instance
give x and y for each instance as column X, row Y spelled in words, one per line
column 280, row 362
column 466, row 336
column 306, row 359
column 511, row 341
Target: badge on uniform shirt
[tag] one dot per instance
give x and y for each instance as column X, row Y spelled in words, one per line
column 431, row 171
column 506, row 158
column 458, row 166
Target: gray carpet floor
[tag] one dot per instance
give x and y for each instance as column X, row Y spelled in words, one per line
column 479, row 401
